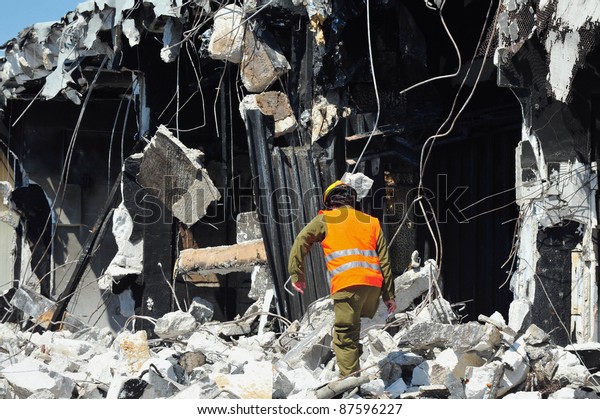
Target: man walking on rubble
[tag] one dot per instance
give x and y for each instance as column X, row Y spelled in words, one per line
column 358, row 268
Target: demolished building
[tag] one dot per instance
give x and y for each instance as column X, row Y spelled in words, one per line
column 163, row 154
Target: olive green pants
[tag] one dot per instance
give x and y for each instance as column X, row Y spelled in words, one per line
column 349, row 305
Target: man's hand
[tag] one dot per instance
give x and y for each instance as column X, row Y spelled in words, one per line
column 299, row 285
column 391, row 305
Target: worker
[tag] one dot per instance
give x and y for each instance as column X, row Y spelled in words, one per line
column 358, row 268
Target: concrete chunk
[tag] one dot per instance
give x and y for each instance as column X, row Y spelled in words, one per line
column 471, row 336
column 457, row 362
column 134, row 350
column 397, row 388
column 569, row 369
column 262, row 61
column 374, row 388
column 482, row 380
column 275, row 104
column 536, row 336
column 227, row 36
column 413, row 283
column 30, row 376
column 516, row 366
column 256, row 381
column 214, row 348
column 176, row 323
column 247, row 227
column 201, row 310
column 524, row 395
column 223, row 259
column 173, row 173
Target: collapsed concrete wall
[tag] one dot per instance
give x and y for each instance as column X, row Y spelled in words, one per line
column 544, row 51
column 291, row 112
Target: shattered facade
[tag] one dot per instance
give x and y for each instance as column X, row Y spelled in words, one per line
column 159, row 157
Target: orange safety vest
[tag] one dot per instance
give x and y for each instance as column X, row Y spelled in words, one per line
column 350, row 248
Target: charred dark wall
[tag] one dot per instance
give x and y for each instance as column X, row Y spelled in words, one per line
column 552, row 302
column 471, row 186
column 74, row 169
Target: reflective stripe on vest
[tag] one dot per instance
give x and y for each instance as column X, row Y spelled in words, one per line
column 349, row 252
column 351, row 265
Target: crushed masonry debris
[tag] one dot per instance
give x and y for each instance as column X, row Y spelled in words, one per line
column 158, row 158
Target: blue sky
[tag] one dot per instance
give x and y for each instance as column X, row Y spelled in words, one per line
column 17, row 14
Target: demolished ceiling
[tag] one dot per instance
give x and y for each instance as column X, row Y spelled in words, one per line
column 160, row 156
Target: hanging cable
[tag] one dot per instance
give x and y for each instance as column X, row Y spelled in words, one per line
column 421, row 83
column 370, row 41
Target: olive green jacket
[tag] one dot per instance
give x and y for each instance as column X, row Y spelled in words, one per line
column 316, row 231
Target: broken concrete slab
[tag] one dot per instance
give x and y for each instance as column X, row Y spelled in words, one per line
column 207, row 343
column 174, row 324
column 397, row 388
column 439, row 311
column 526, row 395
column 374, row 388
column 275, row 104
column 133, row 349
column 262, row 281
column 130, row 253
column 324, row 116
column 573, row 393
column 174, row 174
column 471, row 336
column 34, row 305
column 223, row 259
column 519, row 315
column 570, row 371
column 255, row 382
column 588, row 352
column 227, row 37
column 30, row 376
column 535, row 336
column 247, row 227
column 262, row 61
column 414, row 283
column 516, row 365
column 482, row 381
column 457, row 362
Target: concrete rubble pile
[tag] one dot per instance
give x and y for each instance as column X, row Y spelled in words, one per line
column 412, row 354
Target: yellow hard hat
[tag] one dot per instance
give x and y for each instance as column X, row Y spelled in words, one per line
column 331, row 188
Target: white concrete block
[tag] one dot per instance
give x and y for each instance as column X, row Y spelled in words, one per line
column 132, row 349
column 563, row 393
column 256, row 381
column 481, row 379
column 524, row 395
column 30, row 376
column 374, row 388
column 100, row 367
column 227, row 38
column 397, row 388
column 214, row 348
column 517, row 366
column 457, row 362
column 570, row 368
column 519, row 315
column 174, row 324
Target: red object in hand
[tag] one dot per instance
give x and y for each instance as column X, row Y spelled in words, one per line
column 299, row 286
column 391, row 305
